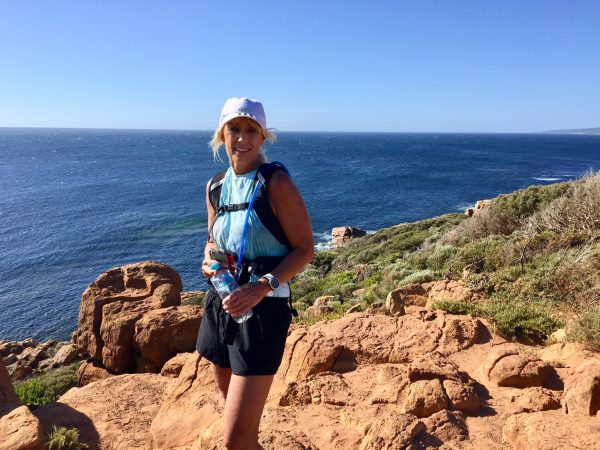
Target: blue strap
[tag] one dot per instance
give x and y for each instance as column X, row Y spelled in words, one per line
column 263, row 174
column 245, row 229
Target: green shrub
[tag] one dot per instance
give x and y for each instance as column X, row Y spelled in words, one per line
column 306, row 290
column 458, row 307
column 195, row 299
column 515, row 317
column 587, row 330
column 48, row 387
column 422, row 276
column 62, row 438
column 34, row 393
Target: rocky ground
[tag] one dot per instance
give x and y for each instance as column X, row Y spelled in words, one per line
column 403, row 375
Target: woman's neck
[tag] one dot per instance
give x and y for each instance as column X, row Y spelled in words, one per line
column 242, row 168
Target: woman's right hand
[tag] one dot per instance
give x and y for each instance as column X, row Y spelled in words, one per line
column 206, row 270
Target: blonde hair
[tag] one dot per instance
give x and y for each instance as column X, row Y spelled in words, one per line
column 217, row 140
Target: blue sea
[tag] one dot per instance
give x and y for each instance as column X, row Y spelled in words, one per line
column 74, row 203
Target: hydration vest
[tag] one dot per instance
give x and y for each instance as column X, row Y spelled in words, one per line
column 261, row 202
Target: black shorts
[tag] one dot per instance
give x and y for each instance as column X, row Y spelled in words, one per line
column 257, row 344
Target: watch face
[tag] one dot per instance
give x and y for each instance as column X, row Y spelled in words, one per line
column 273, row 282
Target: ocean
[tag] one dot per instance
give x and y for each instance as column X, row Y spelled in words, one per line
column 75, row 203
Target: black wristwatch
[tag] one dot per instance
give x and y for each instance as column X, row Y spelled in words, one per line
column 272, row 280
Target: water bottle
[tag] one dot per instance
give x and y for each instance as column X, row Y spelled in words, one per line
column 225, row 284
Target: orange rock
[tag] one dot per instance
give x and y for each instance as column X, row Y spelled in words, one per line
column 582, row 390
column 424, row 398
column 135, row 288
column 511, row 368
column 111, row 413
column 21, row 430
column 551, row 430
column 163, row 333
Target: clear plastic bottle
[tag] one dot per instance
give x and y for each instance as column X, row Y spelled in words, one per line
column 225, row 284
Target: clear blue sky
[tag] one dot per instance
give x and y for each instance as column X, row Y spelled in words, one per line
column 513, row 66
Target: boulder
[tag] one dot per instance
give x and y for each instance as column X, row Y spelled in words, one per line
column 536, row 399
column 172, row 368
column 163, row 333
column 111, row 413
column 511, row 368
column 411, row 295
column 394, row 304
column 394, row 431
column 91, row 371
column 134, row 288
column 482, row 204
column 424, row 398
column 551, row 430
column 8, row 397
column 21, row 430
column 559, row 336
column 444, row 426
column 436, row 365
column 65, row 355
column 314, row 312
column 461, row 396
column 31, row 356
column 340, row 236
column 450, row 290
column 324, row 300
column 582, row 390
column 192, row 410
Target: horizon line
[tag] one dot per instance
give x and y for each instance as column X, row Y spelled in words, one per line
column 284, row 131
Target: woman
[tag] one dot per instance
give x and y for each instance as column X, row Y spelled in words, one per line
column 245, row 357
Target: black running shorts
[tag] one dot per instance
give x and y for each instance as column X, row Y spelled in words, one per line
column 256, row 346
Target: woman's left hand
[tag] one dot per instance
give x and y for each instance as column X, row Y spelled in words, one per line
column 245, row 298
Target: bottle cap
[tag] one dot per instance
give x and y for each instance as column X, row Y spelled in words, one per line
column 215, row 266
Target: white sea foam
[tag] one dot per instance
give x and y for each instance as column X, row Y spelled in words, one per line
column 322, row 241
column 547, row 178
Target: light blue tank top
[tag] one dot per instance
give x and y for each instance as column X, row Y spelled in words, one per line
column 227, row 230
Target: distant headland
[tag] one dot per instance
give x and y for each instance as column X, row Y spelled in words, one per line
column 577, row 131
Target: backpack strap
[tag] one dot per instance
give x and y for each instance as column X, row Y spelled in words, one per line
column 261, row 203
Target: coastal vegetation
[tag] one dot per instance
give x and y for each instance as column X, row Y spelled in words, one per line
column 47, row 387
column 63, row 438
column 533, row 255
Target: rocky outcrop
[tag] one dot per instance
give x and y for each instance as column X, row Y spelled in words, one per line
column 110, row 414
column 20, row 429
column 27, row 358
column 8, row 398
column 551, row 430
column 450, row 290
column 364, row 381
column 340, row 236
column 131, row 320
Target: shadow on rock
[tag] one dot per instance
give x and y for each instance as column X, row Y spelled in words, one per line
column 62, row 415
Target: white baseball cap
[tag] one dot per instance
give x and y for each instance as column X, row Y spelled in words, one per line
column 243, row 107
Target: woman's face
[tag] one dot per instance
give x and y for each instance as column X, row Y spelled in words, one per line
column 243, row 139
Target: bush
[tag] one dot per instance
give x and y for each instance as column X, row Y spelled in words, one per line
column 48, row 387
column 576, row 212
column 423, row 276
column 506, row 214
column 587, row 330
column 34, row 393
column 458, row 307
column 515, row 317
column 306, row 290
column 62, row 438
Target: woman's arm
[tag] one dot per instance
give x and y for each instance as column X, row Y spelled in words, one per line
column 288, row 206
